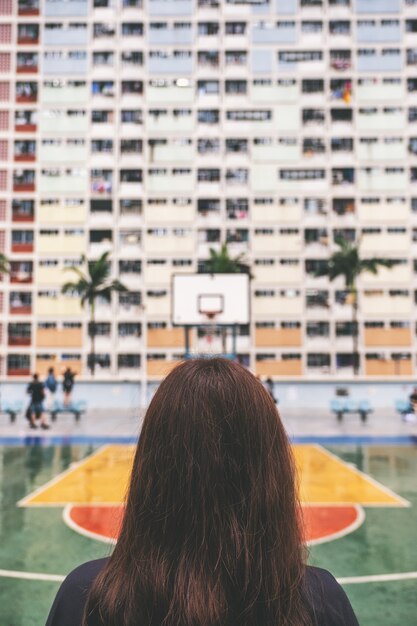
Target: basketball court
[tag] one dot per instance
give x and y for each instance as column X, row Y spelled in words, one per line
column 62, row 494
column 62, row 502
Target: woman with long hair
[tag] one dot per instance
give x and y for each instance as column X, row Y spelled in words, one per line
column 212, row 532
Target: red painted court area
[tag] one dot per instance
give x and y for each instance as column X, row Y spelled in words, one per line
column 321, row 523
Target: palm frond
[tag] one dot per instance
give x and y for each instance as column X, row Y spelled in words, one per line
column 4, row 264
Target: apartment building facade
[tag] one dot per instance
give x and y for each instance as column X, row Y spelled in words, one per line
column 158, row 129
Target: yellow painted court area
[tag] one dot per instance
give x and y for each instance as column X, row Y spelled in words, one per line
column 102, row 478
column 325, row 479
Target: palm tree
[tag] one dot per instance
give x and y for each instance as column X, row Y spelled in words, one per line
column 92, row 284
column 222, row 263
column 4, row 264
column 348, row 263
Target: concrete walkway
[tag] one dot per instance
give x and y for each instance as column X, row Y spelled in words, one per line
column 126, row 424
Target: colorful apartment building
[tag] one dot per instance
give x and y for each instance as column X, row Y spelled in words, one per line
column 158, row 129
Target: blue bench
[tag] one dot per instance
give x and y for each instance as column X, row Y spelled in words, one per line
column 11, row 409
column 76, row 408
column 340, row 406
column 403, row 407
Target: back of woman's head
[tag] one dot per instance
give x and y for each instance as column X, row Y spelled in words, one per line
column 211, row 534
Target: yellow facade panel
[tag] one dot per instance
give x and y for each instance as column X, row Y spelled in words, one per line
column 157, row 368
column 42, row 365
column 166, row 338
column 276, row 337
column 389, row 367
column 59, row 338
column 274, row 367
column 380, row 337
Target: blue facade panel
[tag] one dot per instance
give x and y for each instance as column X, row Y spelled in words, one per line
column 64, row 66
column 274, row 35
column 262, row 61
column 66, row 8
column 286, row 7
column 378, row 34
column 170, row 37
column 380, row 64
column 170, row 7
column 378, row 6
column 65, row 37
column 170, row 65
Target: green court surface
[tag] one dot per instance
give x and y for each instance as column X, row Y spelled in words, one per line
column 379, row 558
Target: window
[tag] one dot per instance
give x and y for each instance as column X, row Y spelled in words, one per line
column 249, row 115
column 130, row 266
column 131, row 146
column 208, row 58
column 103, row 30
column 299, row 56
column 312, row 86
column 317, row 329
column 206, row 146
column 339, row 27
column 134, row 116
column 236, row 57
column 208, row 175
column 129, row 329
column 102, row 146
column 208, row 116
column 313, row 116
column 132, row 29
column 235, row 28
column 103, row 59
column 346, row 329
column 99, row 329
column 236, row 87
column 131, row 207
column 132, row 58
column 101, row 117
column 317, row 360
column 302, row 174
column 130, row 299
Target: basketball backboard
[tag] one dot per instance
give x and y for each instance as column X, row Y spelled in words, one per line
column 198, row 299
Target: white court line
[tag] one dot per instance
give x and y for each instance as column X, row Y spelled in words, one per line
column 26, row 500
column 8, row 573
column 377, row 578
column 373, row 481
column 349, row 580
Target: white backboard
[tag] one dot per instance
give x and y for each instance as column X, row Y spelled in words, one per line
column 226, row 295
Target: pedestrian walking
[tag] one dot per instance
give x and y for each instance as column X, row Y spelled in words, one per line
column 51, row 385
column 269, row 386
column 36, row 390
column 68, row 385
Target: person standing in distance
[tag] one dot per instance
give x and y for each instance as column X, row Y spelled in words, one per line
column 51, row 385
column 68, row 385
column 36, row 391
column 212, row 532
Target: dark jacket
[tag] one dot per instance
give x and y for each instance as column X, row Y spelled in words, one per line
column 328, row 602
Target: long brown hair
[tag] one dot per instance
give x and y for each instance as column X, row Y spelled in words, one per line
column 211, row 533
